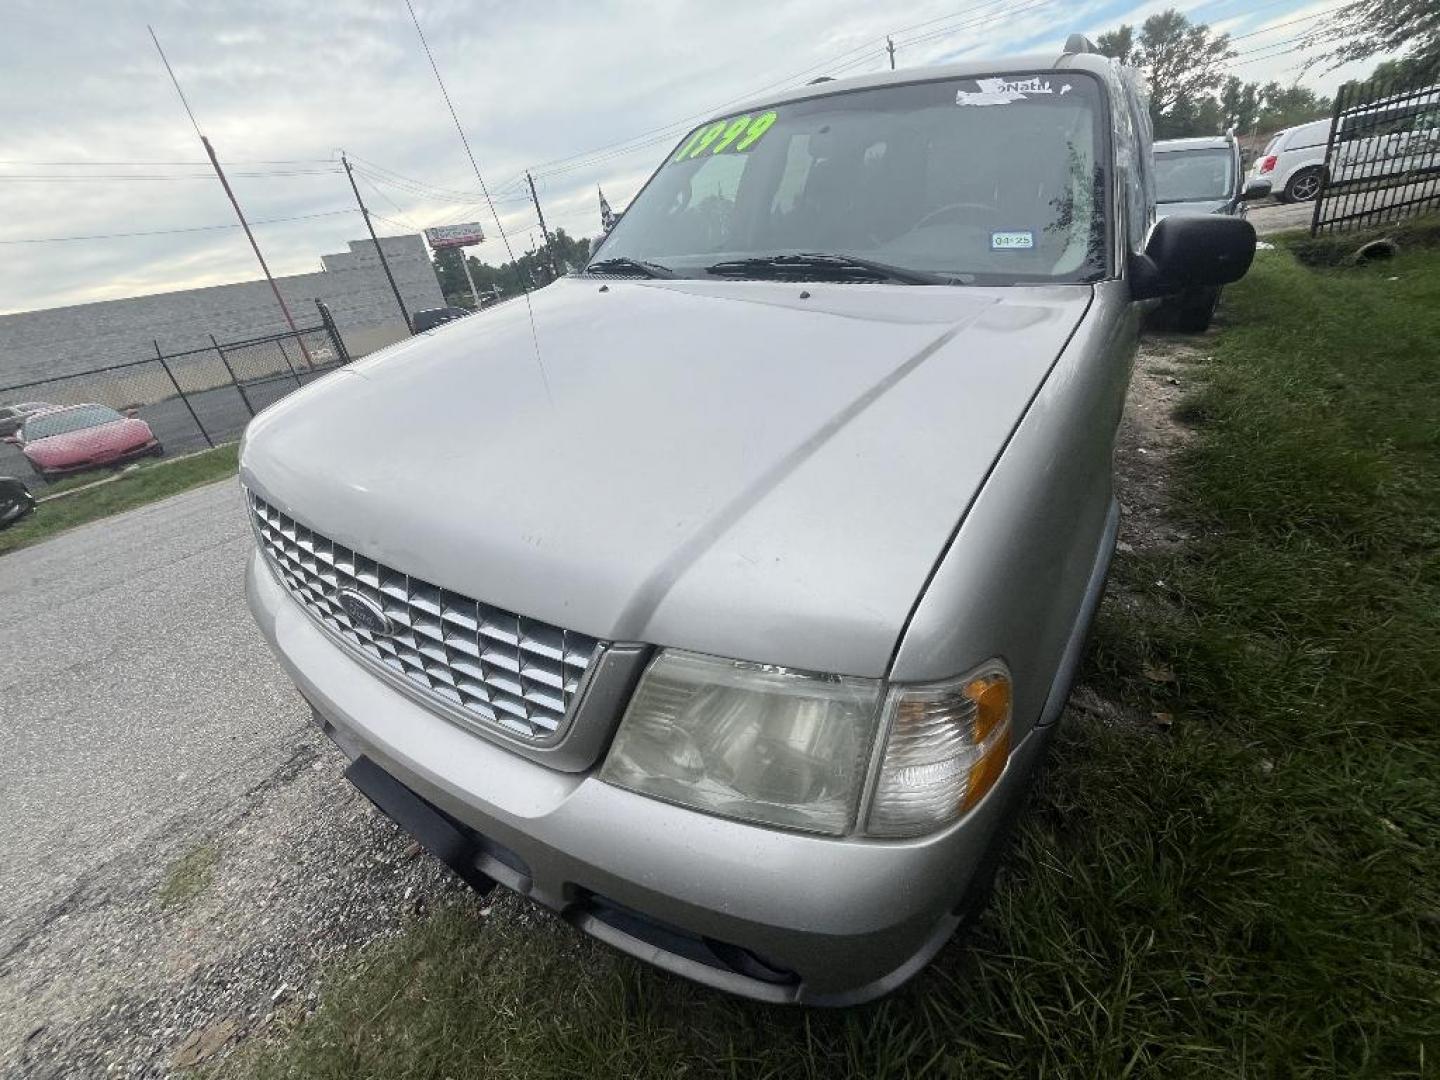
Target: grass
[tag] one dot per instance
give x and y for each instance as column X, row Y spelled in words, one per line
column 1253, row 892
column 188, row 876
column 1336, row 249
column 146, row 484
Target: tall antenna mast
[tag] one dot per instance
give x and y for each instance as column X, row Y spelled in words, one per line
column 499, row 227
column 224, row 183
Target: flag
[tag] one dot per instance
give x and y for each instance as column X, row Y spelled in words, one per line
column 607, row 219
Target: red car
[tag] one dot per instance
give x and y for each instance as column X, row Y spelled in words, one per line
column 74, row 438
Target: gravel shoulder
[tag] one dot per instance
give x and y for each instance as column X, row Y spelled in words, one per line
column 184, row 859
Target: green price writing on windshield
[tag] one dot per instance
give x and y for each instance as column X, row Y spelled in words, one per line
column 739, row 133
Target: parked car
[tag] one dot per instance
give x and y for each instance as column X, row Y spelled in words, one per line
column 58, row 442
column 12, row 416
column 1199, row 176
column 433, row 317
column 15, row 501
column 732, row 621
column 1384, row 138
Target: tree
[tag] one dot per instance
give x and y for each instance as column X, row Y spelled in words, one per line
column 1241, row 103
column 1365, row 28
column 451, row 274
column 1402, row 69
column 1286, row 106
column 1183, row 63
column 570, row 251
column 531, row 270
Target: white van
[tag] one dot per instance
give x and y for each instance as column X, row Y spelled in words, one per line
column 1294, row 161
column 1395, row 135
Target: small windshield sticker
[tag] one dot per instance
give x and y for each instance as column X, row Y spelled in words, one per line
column 1004, row 91
column 1012, row 241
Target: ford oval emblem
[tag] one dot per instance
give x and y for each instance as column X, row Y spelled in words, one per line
column 364, row 613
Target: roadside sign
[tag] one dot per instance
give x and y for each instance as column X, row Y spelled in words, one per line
column 455, row 236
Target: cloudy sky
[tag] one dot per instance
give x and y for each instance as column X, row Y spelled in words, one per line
column 95, row 144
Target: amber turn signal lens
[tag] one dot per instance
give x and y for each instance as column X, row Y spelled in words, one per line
column 946, row 745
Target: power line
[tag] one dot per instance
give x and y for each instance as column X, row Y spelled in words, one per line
column 63, row 178
column 1290, row 22
column 972, row 15
column 376, row 167
column 376, row 188
column 158, row 164
column 171, row 232
column 450, row 197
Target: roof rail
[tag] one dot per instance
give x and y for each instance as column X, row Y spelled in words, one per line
column 1079, row 43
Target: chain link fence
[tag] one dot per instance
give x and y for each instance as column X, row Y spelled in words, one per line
column 174, row 403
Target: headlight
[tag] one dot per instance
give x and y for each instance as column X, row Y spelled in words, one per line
column 780, row 747
column 945, row 746
column 748, row 741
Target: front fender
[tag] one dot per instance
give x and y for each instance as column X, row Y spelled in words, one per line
column 1015, row 577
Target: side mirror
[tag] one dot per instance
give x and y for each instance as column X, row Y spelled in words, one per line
column 1208, row 249
column 1255, row 188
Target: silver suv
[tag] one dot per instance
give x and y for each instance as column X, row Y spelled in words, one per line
column 722, row 596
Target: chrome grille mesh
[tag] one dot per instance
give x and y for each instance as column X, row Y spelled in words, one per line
column 493, row 667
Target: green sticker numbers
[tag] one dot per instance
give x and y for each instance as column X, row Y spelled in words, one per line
column 737, row 134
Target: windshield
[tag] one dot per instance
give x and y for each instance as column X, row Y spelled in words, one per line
column 990, row 180
column 1194, row 175
column 58, row 423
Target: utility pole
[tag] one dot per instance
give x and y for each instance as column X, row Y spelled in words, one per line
column 384, row 262
column 549, row 247
column 224, row 183
column 890, row 48
column 465, row 264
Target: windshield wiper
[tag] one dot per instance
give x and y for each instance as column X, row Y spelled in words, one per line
column 624, row 265
column 824, row 266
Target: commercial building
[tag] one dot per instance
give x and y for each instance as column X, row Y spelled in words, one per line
column 68, row 340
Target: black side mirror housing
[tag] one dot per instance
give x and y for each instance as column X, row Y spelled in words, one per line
column 1203, row 250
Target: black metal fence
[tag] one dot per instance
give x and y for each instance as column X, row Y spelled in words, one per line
column 1382, row 159
column 187, row 401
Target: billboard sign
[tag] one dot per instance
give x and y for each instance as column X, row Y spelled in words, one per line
column 455, row 236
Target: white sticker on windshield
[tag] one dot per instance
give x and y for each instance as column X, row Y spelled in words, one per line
column 1004, row 91
column 1012, row 241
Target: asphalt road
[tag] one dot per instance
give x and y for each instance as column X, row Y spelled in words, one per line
column 1272, row 216
column 143, row 719
column 132, row 688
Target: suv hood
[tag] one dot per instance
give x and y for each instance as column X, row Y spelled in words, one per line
column 756, row 470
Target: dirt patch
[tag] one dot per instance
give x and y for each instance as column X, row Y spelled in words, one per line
column 1150, row 435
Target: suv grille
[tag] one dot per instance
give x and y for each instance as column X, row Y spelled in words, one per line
column 492, row 668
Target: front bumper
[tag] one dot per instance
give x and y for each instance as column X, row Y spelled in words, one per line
column 773, row 915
